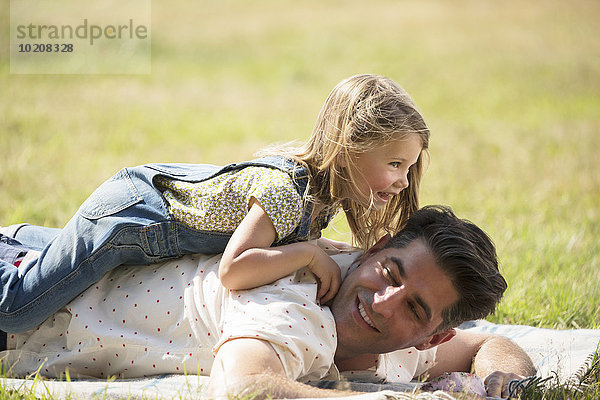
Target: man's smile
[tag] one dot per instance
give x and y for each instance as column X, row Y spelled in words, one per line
column 364, row 316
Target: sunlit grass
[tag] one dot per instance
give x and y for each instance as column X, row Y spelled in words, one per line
column 511, row 91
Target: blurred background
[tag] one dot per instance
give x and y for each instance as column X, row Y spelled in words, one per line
column 510, row 90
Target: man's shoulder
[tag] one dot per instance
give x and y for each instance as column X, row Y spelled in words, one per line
column 344, row 255
column 285, row 314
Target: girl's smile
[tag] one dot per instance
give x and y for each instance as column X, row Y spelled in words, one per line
column 383, row 172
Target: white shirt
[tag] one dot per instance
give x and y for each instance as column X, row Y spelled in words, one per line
column 173, row 317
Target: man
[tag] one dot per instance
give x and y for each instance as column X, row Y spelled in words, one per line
column 408, row 292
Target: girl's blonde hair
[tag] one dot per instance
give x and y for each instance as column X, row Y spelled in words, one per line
column 360, row 114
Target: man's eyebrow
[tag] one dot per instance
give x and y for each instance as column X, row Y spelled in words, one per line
column 418, row 298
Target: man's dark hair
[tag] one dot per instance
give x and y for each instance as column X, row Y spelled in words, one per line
column 465, row 253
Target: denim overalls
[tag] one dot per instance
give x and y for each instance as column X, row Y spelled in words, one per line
column 125, row 221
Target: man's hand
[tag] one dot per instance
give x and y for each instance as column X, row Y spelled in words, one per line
column 485, row 355
column 497, row 383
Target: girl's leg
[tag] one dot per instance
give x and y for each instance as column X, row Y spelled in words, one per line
column 34, row 237
column 124, row 221
column 11, row 230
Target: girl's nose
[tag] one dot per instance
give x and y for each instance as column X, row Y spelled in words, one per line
column 402, row 181
column 386, row 303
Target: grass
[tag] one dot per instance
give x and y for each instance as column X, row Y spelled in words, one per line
column 510, row 90
column 585, row 386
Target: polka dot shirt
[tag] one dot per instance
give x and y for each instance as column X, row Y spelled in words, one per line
column 172, row 318
column 220, row 203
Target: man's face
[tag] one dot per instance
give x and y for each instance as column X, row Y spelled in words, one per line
column 393, row 300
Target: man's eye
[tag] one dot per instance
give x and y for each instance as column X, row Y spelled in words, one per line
column 387, row 272
column 413, row 310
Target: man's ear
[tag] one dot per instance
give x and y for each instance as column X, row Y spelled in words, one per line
column 436, row 339
column 377, row 246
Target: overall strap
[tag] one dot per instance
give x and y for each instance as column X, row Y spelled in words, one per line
column 202, row 172
column 299, row 175
column 297, row 172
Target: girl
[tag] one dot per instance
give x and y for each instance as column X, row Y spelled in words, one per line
column 369, row 142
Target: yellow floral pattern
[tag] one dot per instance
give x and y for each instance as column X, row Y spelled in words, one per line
column 219, row 204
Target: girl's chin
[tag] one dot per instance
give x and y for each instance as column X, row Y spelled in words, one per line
column 377, row 204
column 380, row 202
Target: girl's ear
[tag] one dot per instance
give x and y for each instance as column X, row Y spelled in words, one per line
column 340, row 159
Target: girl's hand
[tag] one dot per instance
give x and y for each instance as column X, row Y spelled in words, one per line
column 341, row 246
column 327, row 272
column 248, row 260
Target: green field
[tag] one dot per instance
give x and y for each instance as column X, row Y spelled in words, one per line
column 510, row 90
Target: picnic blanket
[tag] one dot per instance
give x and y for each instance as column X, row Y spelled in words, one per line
column 560, row 353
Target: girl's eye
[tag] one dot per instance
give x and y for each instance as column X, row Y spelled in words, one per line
column 395, row 164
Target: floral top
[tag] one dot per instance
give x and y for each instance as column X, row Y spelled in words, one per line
column 220, row 203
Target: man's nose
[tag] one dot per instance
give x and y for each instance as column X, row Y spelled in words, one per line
column 386, row 302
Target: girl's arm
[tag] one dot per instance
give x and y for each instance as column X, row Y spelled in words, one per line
column 336, row 244
column 248, row 260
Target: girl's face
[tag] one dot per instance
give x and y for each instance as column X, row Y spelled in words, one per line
column 383, row 172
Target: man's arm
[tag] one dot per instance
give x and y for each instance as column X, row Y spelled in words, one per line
column 251, row 367
column 494, row 358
